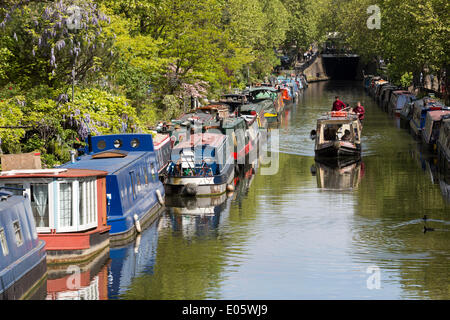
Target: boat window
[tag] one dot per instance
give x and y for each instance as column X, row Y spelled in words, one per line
column 135, row 143
column 117, row 143
column 132, row 185
column 101, row 144
column 39, row 204
column 153, row 171
column 14, row 186
column 18, row 233
column 65, row 204
column 82, row 202
column 3, row 242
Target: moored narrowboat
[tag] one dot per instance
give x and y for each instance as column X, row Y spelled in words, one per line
column 337, row 136
column 398, row 99
column 443, row 145
column 69, row 209
column 433, row 121
column 406, row 115
column 134, row 191
column 421, row 107
column 385, row 96
column 23, row 267
column 202, row 164
column 163, row 148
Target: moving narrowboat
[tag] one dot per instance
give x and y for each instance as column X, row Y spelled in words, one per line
column 134, row 191
column 398, row 99
column 337, row 136
column 69, row 210
column 23, row 267
column 421, row 107
column 201, row 165
column 433, row 121
column 443, row 145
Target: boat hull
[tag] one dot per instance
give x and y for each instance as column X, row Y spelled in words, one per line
column 200, row 186
column 338, row 150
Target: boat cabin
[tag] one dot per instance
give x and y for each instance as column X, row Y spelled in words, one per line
column 398, row 99
column 133, row 188
column 22, row 253
column 338, row 134
column 420, row 109
column 68, row 207
column 200, row 165
column 432, row 126
column 443, row 143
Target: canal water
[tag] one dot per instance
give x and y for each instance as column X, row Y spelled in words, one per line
column 307, row 232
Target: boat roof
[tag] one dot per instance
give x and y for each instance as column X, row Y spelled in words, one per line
column 52, row 173
column 160, row 139
column 253, row 89
column 403, row 92
column 339, row 116
column 110, row 165
column 437, row 115
column 202, row 139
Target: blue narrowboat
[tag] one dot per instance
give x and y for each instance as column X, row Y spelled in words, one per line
column 23, row 264
column 419, row 113
column 134, row 191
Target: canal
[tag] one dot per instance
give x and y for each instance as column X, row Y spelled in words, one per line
column 307, row 232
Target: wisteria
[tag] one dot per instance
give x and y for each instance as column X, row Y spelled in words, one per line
column 61, row 32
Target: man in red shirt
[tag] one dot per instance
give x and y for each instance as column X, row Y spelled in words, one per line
column 338, row 105
column 359, row 110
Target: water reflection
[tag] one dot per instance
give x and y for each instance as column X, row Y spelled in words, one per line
column 338, row 176
column 84, row 281
column 132, row 260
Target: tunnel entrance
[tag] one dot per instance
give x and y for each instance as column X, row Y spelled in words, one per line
column 341, row 66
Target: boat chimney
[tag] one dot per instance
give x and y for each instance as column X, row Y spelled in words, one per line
column 72, row 156
column 90, row 143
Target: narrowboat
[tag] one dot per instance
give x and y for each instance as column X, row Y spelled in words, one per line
column 163, row 148
column 201, row 165
column 378, row 90
column 398, row 99
column 337, row 136
column 385, row 96
column 367, row 82
column 260, row 94
column 373, row 85
column 69, row 210
column 406, row 115
column 421, row 107
column 236, row 128
column 258, row 110
column 430, row 132
column 443, row 145
column 23, row 267
column 134, row 191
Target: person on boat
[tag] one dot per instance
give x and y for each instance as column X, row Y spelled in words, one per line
column 338, row 105
column 346, row 136
column 359, row 110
